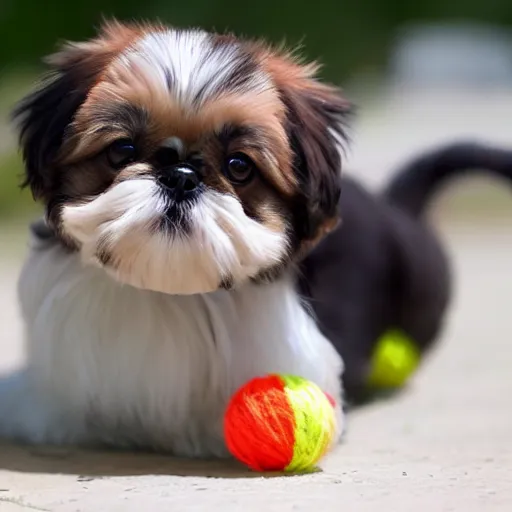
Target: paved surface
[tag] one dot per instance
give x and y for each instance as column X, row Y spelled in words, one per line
column 445, row 444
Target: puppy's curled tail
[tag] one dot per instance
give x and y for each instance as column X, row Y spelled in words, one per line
column 417, row 181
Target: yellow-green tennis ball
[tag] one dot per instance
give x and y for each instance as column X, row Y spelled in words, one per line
column 394, row 360
column 279, row 423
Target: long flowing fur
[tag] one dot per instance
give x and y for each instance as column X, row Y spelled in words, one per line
column 109, row 363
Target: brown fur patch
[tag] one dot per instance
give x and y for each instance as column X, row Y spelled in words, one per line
column 89, row 59
column 316, row 113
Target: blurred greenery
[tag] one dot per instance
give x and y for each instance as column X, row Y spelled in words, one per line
column 349, row 37
column 12, row 199
column 346, row 34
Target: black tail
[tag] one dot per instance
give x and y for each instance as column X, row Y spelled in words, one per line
column 416, row 183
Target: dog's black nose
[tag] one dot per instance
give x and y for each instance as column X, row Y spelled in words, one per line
column 181, row 179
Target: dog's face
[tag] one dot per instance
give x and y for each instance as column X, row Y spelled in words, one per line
column 182, row 161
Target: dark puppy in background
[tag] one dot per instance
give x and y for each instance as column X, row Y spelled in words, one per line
column 384, row 268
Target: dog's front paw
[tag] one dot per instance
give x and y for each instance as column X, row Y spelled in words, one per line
column 28, row 416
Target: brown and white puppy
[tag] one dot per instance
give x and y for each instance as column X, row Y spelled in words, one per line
column 184, row 174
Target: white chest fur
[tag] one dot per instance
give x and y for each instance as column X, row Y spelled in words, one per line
column 113, row 363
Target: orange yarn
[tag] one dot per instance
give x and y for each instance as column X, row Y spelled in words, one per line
column 270, row 427
column 269, row 446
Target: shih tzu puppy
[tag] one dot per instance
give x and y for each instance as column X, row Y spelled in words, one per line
column 184, row 176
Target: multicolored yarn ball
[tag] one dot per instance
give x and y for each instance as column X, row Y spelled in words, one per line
column 394, row 360
column 279, row 423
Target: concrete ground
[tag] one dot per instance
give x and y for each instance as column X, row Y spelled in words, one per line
column 445, row 444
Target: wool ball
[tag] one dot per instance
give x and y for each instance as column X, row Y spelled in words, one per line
column 279, row 423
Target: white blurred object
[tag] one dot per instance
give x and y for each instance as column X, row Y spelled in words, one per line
column 447, row 55
column 447, row 83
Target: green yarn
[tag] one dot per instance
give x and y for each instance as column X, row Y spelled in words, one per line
column 395, row 358
column 315, row 422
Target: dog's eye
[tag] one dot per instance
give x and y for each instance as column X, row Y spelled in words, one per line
column 120, row 153
column 239, row 169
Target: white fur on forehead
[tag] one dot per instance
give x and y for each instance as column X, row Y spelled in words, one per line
column 125, row 223
column 192, row 68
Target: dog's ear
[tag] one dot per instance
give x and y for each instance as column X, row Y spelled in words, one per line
column 44, row 115
column 316, row 119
